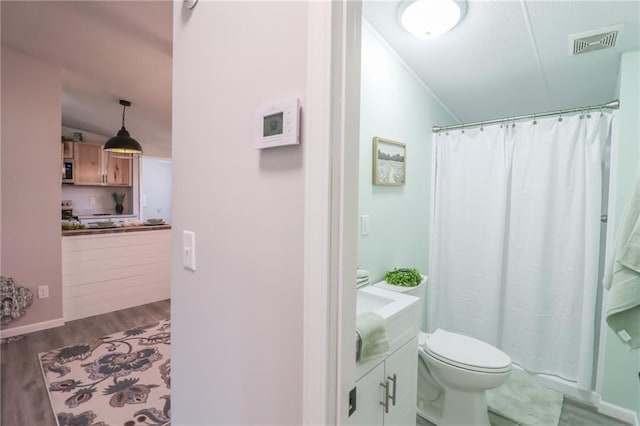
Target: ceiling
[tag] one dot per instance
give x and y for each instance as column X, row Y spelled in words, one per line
column 509, row 58
column 505, row 58
column 107, row 50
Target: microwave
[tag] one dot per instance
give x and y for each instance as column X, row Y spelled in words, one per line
column 67, row 171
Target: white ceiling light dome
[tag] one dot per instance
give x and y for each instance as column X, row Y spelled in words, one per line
column 428, row 19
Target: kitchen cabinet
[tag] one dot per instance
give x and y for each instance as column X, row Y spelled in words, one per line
column 117, row 171
column 88, row 164
column 95, row 167
column 387, row 394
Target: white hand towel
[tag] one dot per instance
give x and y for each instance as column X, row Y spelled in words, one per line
column 373, row 334
column 622, row 277
column 362, row 273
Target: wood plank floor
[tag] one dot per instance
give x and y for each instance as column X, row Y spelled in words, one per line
column 24, row 400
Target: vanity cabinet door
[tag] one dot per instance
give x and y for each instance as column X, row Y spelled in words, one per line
column 393, row 382
column 403, row 364
column 369, row 394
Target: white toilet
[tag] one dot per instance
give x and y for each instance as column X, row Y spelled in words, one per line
column 454, row 371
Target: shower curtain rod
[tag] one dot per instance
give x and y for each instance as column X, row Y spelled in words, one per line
column 609, row 105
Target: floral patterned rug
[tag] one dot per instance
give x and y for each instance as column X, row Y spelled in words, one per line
column 120, row 379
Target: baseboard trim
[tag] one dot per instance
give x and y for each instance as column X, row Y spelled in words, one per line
column 30, row 328
column 617, row 412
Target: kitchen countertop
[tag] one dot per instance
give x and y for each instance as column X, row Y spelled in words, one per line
column 100, row 216
column 117, row 230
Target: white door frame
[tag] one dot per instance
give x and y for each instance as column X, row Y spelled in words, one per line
column 331, row 133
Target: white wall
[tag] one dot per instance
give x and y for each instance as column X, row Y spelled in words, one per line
column 395, row 105
column 31, row 111
column 155, row 186
column 620, row 378
column 155, row 150
column 81, row 196
column 237, row 320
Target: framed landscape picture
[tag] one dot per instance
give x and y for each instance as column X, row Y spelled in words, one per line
column 389, row 162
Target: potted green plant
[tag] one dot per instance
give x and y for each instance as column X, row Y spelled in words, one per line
column 404, row 277
column 118, row 198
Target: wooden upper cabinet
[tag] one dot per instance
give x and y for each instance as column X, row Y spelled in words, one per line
column 118, row 171
column 88, row 164
column 95, row 167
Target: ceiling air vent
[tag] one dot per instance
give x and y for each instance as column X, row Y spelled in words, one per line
column 588, row 41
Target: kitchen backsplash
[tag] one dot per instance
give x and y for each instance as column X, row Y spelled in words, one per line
column 82, row 197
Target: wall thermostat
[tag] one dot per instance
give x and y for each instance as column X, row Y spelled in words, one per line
column 278, row 124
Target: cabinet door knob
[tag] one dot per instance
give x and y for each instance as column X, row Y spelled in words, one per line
column 394, row 379
column 385, row 404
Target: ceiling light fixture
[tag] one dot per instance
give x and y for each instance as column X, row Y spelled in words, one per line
column 428, row 19
column 123, row 145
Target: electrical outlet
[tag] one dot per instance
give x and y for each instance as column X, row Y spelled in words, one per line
column 92, row 201
column 43, row 291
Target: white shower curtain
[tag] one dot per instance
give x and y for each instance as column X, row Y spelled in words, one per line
column 515, row 236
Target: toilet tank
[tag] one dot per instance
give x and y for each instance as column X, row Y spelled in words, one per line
column 419, row 291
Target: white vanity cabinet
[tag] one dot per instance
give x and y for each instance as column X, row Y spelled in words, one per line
column 393, row 382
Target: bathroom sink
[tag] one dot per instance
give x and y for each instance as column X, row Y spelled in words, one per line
column 400, row 313
column 369, row 302
column 385, row 303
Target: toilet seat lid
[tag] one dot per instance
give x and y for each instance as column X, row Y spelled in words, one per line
column 466, row 352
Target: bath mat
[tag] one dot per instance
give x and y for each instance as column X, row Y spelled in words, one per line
column 120, row 379
column 578, row 413
column 526, row 403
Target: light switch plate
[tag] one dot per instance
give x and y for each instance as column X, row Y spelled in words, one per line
column 189, row 250
column 364, row 224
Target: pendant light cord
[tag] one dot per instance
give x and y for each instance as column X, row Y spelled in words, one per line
column 124, row 107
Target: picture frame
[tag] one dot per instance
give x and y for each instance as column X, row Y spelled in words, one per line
column 389, row 162
column 67, row 149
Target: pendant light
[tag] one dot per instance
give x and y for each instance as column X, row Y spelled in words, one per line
column 123, row 145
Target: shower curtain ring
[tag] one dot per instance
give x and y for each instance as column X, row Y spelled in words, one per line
column 581, row 114
column 534, row 120
column 560, row 116
column 601, row 113
column 513, row 122
column 589, row 113
column 482, row 126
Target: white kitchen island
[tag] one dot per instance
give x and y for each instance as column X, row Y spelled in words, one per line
column 106, row 270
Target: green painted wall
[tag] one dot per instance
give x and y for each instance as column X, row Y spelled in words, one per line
column 620, row 378
column 395, row 105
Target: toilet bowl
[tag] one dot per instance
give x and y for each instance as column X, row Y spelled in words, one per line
column 455, row 371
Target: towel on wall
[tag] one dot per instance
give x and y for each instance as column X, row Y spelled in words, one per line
column 622, row 277
column 373, row 336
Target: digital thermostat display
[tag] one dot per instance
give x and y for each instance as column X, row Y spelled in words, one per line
column 273, row 124
column 277, row 124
